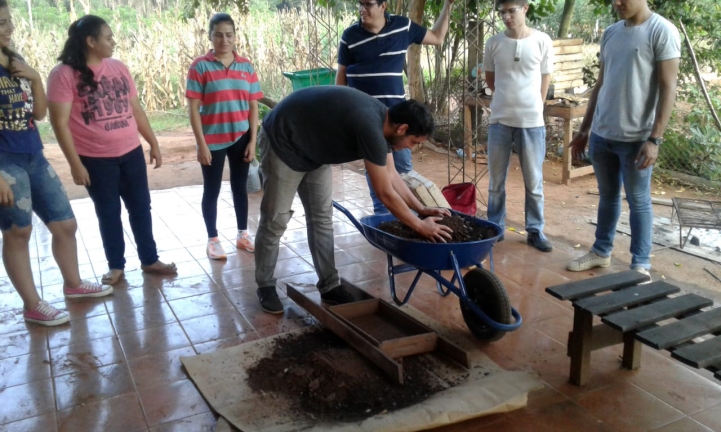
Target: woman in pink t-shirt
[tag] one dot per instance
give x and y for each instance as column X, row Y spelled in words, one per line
column 96, row 116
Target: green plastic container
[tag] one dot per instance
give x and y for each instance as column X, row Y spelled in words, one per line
column 311, row 77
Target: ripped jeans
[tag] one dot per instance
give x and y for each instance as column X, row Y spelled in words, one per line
column 280, row 184
column 36, row 188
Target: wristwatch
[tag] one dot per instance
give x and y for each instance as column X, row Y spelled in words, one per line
column 656, row 140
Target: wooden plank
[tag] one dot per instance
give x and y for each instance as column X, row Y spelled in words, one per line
column 410, row 345
column 562, row 58
column 443, row 345
column 355, row 309
column 643, row 316
column 438, row 197
column 603, row 336
column 588, row 287
column 580, row 347
column 424, row 197
column 568, row 49
column 334, row 324
column 563, row 85
column 626, row 297
column 565, row 112
column 568, row 65
column 569, row 75
column 700, row 355
column 683, row 330
column 581, row 171
column 567, row 41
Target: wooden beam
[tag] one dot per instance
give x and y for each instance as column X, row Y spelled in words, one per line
column 356, row 309
column 568, row 49
column 568, row 65
column 334, row 324
column 410, row 345
column 445, row 346
column 564, row 42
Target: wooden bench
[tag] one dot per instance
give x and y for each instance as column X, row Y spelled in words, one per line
column 633, row 314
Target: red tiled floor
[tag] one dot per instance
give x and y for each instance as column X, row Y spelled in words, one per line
column 116, row 366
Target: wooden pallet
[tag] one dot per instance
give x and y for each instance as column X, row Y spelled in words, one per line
column 651, row 314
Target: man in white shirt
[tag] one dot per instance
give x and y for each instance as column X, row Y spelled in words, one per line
column 627, row 114
column 518, row 64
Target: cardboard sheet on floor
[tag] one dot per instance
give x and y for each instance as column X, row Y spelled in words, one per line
column 221, row 378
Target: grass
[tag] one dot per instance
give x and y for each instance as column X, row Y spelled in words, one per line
column 160, row 121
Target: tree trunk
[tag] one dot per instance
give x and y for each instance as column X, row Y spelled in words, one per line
column 474, row 41
column 415, row 74
column 566, row 17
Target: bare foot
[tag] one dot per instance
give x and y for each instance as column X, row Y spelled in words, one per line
column 113, row 276
column 160, row 268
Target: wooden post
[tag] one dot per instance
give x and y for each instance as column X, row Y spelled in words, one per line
column 581, row 346
column 631, row 351
column 567, row 156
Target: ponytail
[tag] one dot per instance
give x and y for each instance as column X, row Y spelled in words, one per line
column 75, row 51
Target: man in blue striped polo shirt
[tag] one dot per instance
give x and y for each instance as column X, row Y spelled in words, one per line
column 371, row 57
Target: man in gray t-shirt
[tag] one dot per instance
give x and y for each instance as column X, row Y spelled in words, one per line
column 301, row 137
column 627, row 115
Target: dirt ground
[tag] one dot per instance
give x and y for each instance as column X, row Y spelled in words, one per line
column 567, row 208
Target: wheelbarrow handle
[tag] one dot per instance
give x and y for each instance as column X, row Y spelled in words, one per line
column 348, row 215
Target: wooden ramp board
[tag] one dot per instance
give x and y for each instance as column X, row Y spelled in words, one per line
column 589, row 287
column 626, row 297
column 362, row 345
column 700, row 355
column 647, row 315
column 683, row 330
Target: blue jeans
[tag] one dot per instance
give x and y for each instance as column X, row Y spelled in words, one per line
column 280, row 184
column 531, row 148
column 403, row 161
column 213, row 179
column 110, row 180
column 614, row 164
column 35, row 187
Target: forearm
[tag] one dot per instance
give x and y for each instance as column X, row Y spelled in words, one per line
column 253, row 120
column 146, row 131
column 40, row 101
column 440, row 27
column 664, row 107
column 67, row 144
column 590, row 109
column 545, row 83
column 401, row 188
column 196, row 125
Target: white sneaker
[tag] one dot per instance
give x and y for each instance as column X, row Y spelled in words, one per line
column 243, row 241
column 588, row 261
column 645, row 272
column 215, row 249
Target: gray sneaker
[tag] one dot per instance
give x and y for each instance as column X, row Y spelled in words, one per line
column 588, row 261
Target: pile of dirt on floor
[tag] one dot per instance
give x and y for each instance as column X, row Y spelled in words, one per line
column 463, row 231
column 324, row 377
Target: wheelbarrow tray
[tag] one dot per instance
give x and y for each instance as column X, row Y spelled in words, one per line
column 425, row 255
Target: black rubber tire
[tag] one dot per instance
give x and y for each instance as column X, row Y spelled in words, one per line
column 487, row 292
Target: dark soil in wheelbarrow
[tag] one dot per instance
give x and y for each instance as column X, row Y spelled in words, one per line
column 325, row 378
column 463, row 231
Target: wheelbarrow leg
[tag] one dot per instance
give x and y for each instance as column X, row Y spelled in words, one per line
column 392, row 280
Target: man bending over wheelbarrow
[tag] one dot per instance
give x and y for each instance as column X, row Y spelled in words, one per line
column 301, row 138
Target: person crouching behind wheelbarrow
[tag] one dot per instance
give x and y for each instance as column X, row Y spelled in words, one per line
column 301, row 138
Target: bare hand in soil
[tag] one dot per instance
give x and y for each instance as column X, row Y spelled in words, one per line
column 461, row 229
column 434, row 211
column 433, row 231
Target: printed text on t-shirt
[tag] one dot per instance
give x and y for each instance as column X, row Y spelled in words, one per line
column 108, row 103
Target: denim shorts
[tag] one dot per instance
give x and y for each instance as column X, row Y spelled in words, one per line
column 36, row 188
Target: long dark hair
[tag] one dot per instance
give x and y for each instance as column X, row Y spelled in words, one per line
column 75, row 51
column 6, row 50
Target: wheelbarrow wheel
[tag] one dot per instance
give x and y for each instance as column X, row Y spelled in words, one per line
column 486, row 291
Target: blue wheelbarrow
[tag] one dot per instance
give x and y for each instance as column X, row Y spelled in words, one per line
column 484, row 302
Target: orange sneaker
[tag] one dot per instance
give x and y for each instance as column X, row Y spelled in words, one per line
column 215, row 249
column 243, row 241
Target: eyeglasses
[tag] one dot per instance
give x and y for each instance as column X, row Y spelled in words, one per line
column 366, row 5
column 510, row 11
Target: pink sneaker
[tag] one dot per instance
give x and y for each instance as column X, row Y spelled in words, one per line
column 245, row 242
column 45, row 314
column 88, row 289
